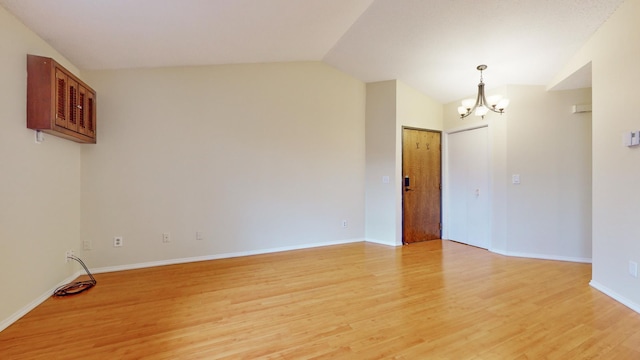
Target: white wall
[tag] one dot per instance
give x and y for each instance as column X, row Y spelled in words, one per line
column 39, row 185
column 390, row 106
column 614, row 51
column 539, row 138
column 256, row 157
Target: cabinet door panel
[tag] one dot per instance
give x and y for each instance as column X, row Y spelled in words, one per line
column 72, row 122
column 82, row 110
column 61, row 105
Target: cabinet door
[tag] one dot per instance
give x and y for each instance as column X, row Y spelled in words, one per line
column 82, row 110
column 86, row 111
column 72, row 121
column 62, row 102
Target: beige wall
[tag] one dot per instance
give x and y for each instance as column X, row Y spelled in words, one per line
column 380, row 213
column 390, row 106
column 256, row 157
column 39, row 186
column 614, row 52
column 549, row 213
column 539, row 138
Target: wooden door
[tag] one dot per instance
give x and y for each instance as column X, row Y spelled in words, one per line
column 422, row 190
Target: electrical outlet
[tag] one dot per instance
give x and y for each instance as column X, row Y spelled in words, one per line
column 67, row 255
column 344, row 223
column 86, row 245
column 117, row 241
column 199, row 235
column 166, row 237
column 39, row 136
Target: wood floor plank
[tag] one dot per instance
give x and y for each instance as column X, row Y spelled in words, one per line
column 436, row 300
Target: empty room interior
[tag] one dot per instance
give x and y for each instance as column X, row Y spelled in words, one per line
column 288, row 179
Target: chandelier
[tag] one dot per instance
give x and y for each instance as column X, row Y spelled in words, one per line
column 482, row 105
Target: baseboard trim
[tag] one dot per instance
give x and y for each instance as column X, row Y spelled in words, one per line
column 218, row 256
column 382, row 242
column 32, row 305
column 542, row 256
column 615, row 296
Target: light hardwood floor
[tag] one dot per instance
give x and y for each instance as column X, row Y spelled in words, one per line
column 432, row 300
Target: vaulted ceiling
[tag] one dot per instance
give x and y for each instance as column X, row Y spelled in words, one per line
column 432, row 45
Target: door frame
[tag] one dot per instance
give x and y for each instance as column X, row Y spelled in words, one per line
column 402, row 176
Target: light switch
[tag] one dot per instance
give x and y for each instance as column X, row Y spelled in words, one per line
column 385, row 179
column 633, row 269
column 631, row 138
column 635, row 138
column 515, row 179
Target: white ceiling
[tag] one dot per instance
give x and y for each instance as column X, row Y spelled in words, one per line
column 432, row 45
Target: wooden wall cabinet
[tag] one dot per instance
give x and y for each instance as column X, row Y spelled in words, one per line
column 58, row 103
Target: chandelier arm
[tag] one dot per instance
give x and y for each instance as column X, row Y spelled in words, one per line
column 478, row 102
column 481, row 100
column 484, row 100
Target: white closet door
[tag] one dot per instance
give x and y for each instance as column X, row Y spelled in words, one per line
column 457, row 189
column 468, row 164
